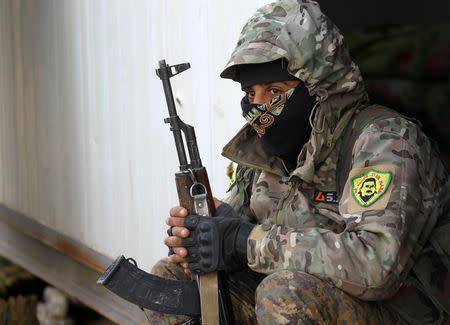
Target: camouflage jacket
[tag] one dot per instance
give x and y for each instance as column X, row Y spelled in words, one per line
column 364, row 241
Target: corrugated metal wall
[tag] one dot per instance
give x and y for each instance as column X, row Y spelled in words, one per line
column 83, row 146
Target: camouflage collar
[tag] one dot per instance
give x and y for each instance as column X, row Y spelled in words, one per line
column 245, row 149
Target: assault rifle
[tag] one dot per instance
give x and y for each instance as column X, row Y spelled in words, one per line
column 205, row 297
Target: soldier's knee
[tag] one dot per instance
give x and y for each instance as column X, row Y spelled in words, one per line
column 168, row 270
column 288, row 297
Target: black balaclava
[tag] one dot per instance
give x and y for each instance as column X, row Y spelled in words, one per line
column 263, row 73
column 283, row 124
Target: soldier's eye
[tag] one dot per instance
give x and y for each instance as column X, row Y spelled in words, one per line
column 275, row 91
column 250, row 94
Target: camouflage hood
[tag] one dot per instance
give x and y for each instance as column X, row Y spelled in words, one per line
column 314, row 47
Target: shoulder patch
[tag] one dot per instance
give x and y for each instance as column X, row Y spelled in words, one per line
column 370, row 188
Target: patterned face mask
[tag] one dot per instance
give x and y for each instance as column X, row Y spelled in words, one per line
column 282, row 124
column 262, row 116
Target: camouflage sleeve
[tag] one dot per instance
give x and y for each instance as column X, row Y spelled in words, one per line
column 240, row 191
column 382, row 234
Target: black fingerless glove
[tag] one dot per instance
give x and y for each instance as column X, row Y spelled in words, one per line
column 217, row 243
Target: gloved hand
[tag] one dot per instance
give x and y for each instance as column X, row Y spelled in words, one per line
column 217, row 243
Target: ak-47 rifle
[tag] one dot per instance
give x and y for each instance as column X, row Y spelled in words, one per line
column 207, row 296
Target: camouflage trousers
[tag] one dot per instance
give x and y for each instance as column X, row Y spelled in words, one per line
column 286, row 297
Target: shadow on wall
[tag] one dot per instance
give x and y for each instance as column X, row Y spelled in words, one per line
column 403, row 51
column 407, row 67
column 352, row 14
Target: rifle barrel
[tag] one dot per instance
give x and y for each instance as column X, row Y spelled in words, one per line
column 164, row 74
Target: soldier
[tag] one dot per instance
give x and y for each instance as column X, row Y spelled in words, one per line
column 339, row 210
